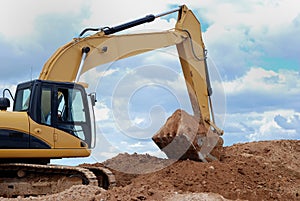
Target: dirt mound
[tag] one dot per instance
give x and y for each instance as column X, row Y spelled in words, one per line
column 126, row 166
column 253, row 171
column 137, row 163
column 267, row 170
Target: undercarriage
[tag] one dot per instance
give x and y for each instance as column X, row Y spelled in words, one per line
column 17, row 179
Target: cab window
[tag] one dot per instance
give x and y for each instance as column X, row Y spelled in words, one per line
column 70, row 111
column 46, row 106
column 22, row 99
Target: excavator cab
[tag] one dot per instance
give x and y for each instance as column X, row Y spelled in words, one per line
column 59, row 105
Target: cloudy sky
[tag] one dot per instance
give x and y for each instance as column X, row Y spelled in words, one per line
column 253, row 55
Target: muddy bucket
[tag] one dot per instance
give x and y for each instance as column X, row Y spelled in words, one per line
column 182, row 137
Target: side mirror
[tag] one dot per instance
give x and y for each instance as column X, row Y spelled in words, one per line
column 93, row 98
column 4, row 103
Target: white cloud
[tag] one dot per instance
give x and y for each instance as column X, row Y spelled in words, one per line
column 269, row 129
column 138, row 121
column 17, row 18
column 104, row 155
column 11, row 87
column 262, row 105
column 94, row 76
column 102, row 112
column 255, row 126
column 256, row 13
column 236, row 36
column 289, row 123
column 109, row 14
column 142, row 147
column 242, row 33
column 137, row 145
column 256, row 79
column 148, row 94
column 262, row 90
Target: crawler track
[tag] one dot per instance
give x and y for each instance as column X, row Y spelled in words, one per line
column 32, row 179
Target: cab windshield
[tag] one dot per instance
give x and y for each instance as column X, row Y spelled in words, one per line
column 22, row 99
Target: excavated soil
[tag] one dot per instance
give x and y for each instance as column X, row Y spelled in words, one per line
column 266, row 170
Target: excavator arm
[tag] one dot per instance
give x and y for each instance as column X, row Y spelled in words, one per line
column 85, row 53
column 104, row 49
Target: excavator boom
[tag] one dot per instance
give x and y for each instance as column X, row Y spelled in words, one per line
column 104, row 48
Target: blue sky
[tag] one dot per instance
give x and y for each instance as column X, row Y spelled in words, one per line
column 254, row 62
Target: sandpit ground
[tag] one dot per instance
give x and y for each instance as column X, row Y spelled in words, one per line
column 265, row 170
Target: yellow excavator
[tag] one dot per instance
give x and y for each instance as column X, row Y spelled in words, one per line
column 53, row 116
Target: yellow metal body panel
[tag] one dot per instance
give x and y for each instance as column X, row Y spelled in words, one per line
column 44, row 153
column 62, row 144
column 42, row 132
column 14, row 121
column 65, row 140
column 54, row 137
column 192, row 58
column 104, row 49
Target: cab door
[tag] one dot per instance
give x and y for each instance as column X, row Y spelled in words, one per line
column 41, row 130
column 71, row 118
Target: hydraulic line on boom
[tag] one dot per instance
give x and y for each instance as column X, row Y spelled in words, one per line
column 112, row 30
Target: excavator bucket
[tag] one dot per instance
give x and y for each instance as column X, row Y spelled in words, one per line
column 182, row 137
